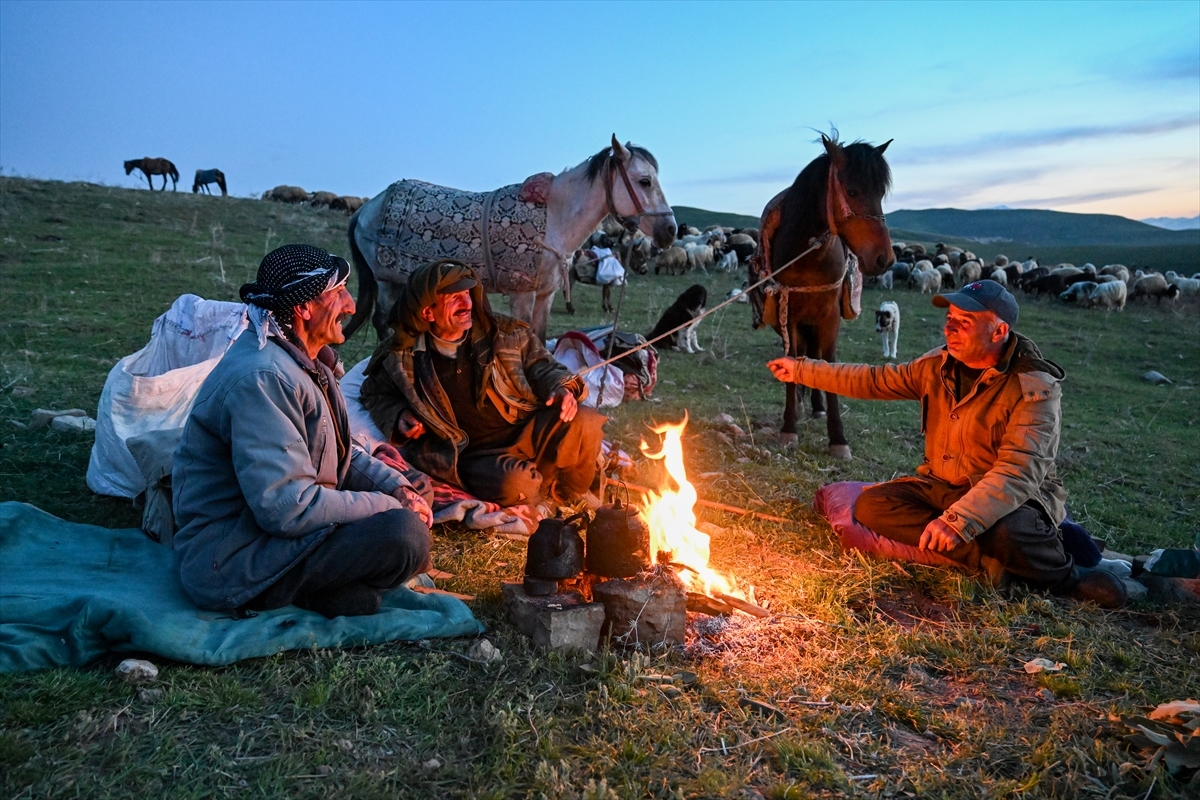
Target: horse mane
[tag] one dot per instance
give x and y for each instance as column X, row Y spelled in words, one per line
column 864, row 168
column 596, row 162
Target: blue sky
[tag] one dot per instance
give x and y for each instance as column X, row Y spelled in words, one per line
column 1087, row 107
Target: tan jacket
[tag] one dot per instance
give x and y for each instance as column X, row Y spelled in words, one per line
column 1000, row 439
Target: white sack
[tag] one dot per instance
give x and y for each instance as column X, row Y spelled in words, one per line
column 153, row 389
column 609, row 269
column 363, row 429
column 577, row 356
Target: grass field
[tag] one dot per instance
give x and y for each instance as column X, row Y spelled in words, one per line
column 890, row 680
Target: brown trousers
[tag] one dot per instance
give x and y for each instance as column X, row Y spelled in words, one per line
column 1024, row 544
column 550, row 458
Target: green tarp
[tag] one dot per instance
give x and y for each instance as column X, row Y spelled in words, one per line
column 70, row 593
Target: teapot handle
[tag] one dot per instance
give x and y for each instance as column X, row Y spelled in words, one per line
column 560, row 546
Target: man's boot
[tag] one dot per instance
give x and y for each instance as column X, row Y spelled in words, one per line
column 1095, row 586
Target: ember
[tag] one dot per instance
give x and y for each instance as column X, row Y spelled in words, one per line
column 674, row 538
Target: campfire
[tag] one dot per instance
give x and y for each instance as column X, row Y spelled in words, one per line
column 674, row 538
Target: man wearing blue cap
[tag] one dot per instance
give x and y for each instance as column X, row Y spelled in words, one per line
column 275, row 505
column 987, row 494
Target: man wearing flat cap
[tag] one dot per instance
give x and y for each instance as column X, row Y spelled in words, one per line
column 474, row 399
column 275, row 505
column 987, row 494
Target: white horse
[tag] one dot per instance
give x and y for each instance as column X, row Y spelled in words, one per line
column 621, row 180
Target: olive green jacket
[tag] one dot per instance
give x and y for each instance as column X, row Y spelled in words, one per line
column 1001, row 439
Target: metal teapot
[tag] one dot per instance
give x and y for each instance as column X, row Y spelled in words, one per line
column 618, row 541
column 554, row 553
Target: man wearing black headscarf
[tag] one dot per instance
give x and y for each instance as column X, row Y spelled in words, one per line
column 275, row 504
column 474, row 398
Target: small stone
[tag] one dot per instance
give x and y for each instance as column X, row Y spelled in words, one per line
column 671, row 691
column 1157, row 378
column 724, row 438
column 345, row 745
column 149, row 695
column 722, row 420
column 135, row 671
column 324, row 769
column 432, row 763
column 742, row 460
column 736, row 430
column 41, row 417
column 23, row 391
column 963, row 703
column 484, row 651
column 69, row 424
column 1046, row 694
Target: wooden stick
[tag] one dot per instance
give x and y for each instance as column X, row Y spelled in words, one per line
column 704, row 604
column 719, row 506
column 741, row 605
column 427, row 590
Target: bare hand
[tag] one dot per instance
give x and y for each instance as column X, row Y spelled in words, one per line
column 569, row 404
column 940, row 537
column 408, row 426
column 412, row 500
column 785, row 369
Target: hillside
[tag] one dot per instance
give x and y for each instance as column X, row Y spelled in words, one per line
column 701, row 218
column 1037, row 228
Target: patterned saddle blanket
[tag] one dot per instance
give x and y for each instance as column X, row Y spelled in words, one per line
column 423, row 222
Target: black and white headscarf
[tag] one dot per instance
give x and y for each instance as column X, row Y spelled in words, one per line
column 292, row 275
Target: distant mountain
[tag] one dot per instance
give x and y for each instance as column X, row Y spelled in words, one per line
column 1034, row 227
column 701, row 218
column 1174, row 223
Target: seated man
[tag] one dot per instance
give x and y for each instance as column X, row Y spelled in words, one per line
column 275, row 504
column 474, row 399
column 987, row 495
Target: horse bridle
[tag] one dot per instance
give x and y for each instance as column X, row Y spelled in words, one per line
column 629, row 223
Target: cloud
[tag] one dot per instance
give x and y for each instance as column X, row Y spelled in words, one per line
column 963, row 191
column 748, row 178
column 1022, row 140
column 1080, row 199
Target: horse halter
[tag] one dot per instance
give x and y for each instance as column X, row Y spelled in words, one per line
column 630, row 223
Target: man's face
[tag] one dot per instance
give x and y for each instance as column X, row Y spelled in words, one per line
column 450, row 316
column 974, row 336
column 326, row 312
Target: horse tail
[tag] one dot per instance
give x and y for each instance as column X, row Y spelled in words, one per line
column 368, row 289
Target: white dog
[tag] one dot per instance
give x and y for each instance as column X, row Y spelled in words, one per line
column 887, row 323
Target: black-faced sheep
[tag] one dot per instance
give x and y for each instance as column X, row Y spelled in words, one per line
column 1077, row 291
column 1154, row 285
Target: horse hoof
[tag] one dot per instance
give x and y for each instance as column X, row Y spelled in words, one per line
column 789, row 440
column 840, row 451
column 818, row 415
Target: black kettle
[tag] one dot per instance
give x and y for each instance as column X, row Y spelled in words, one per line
column 555, row 553
column 618, row 541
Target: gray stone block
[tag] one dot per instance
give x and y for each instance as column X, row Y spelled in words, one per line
column 555, row 621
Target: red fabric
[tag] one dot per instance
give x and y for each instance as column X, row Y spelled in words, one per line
column 536, row 189
column 443, row 493
column 835, row 502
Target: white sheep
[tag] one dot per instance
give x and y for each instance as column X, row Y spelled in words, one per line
column 969, row 272
column 728, row 262
column 1188, row 287
column 927, row 281
column 885, row 280
column 1077, row 291
column 699, row 256
column 1110, row 295
column 999, row 276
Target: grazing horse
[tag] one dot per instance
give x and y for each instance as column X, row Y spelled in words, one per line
column 519, row 238
column 154, row 166
column 206, row 176
column 816, row 230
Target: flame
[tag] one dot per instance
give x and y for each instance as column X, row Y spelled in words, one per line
column 672, row 522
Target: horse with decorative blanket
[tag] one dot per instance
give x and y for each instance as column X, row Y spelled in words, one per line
column 519, row 238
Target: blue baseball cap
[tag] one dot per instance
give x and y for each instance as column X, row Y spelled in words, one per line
column 985, row 295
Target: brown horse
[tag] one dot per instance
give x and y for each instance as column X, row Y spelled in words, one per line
column 204, row 177
column 154, row 166
column 831, row 217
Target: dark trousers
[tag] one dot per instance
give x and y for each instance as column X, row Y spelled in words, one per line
column 550, row 458
column 380, row 552
column 1024, row 544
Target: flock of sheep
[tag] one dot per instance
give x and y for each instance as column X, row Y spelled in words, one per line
column 294, row 194
column 1108, row 287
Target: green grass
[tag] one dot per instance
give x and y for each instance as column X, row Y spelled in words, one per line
column 908, row 674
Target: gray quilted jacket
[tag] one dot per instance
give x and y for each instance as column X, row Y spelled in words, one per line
column 264, row 471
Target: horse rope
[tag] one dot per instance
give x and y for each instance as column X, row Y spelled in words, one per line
column 814, row 244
